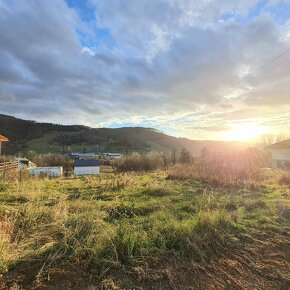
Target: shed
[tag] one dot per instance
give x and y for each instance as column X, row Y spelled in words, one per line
column 2, row 139
column 280, row 154
column 86, row 167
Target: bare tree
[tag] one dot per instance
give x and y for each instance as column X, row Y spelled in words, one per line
column 269, row 139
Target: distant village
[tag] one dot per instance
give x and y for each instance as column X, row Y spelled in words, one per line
column 87, row 163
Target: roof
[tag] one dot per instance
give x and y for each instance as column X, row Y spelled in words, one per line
column 3, row 138
column 19, row 159
column 283, row 144
column 85, row 163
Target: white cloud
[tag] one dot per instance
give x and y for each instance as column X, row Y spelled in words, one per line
column 176, row 64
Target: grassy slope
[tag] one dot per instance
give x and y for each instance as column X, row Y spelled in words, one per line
column 45, row 144
column 142, row 230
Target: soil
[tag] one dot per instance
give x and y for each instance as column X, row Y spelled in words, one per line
column 259, row 263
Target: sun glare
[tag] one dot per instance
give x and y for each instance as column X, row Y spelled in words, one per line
column 243, row 132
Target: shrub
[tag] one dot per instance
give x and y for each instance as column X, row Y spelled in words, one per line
column 138, row 162
column 217, row 169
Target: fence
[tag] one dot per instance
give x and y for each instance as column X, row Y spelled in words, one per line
column 9, row 172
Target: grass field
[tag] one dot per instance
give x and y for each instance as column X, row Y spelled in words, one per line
column 144, row 231
column 45, row 144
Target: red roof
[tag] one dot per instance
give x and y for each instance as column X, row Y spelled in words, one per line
column 3, row 138
column 283, row 144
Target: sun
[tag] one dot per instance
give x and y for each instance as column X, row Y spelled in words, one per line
column 243, row 132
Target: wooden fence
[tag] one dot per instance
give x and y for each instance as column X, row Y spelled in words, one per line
column 9, row 172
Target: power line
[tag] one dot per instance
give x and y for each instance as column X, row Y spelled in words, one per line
column 281, row 76
column 275, row 58
column 272, row 67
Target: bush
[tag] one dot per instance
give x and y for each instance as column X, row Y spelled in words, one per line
column 138, row 162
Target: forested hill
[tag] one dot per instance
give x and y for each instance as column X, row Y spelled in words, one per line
column 27, row 135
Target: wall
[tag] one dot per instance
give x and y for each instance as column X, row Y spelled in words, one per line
column 87, row 170
column 281, row 153
column 49, row 171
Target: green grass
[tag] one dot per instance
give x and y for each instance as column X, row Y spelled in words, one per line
column 124, row 220
column 45, row 144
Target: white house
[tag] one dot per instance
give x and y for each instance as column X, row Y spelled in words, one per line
column 24, row 163
column 280, row 154
column 86, row 167
column 54, row 171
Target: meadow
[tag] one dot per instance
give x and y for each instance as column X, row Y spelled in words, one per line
column 146, row 230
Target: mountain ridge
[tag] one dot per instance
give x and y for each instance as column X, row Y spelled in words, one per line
column 27, row 135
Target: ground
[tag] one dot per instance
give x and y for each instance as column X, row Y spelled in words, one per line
column 144, row 231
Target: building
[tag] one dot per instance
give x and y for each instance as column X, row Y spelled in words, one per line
column 53, row 171
column 24, row 163
column 84, row 156
column 34, row 170
column 280, row 154
column 2, row 139
column 90, row 155
column 86, row 167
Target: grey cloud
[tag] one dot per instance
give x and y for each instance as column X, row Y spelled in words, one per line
column 171, row 57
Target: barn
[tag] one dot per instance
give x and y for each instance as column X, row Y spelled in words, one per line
column 280, row 154
column 2, row 139
column 86, row 167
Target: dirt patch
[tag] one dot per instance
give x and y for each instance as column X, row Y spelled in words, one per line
column 259, row 263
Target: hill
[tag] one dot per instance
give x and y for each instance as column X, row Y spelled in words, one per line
column 27, row 135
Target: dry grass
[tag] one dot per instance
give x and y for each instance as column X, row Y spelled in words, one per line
column 237, row 169
column 116, row 223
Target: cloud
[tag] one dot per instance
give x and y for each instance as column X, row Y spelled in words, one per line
column 210, row 129
column 164, row 63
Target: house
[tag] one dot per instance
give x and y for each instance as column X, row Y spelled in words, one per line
column 24, row 163
column 91, row 155
column 280, row 154
column 34, row 170
column 86, row 167
column 53, row 171
column 2, row 139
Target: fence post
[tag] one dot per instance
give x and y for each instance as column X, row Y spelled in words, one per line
column 4, row 173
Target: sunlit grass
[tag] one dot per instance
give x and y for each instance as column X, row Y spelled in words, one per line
column 117, row 220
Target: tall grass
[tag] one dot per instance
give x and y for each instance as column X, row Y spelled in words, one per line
column 131, row 226
column 125, row 220
column 220, row 169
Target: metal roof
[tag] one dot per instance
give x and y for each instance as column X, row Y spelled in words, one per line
column 86, row 163
column 283, row 144
column 3, row 138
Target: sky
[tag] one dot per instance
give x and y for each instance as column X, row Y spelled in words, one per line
column 202, row 69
